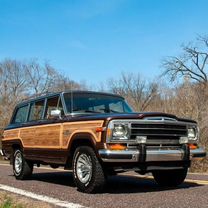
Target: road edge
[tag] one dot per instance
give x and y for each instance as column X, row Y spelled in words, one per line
column 39, row 197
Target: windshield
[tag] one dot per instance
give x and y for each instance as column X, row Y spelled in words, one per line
column 95, row 103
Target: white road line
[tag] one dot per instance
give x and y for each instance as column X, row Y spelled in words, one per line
column 43, row 198
column 5, row 164
column 198, row 173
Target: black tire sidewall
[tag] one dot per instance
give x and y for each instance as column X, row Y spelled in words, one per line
column 170, row 178
column 15, row 153
column 90, row 153
column 26, row 169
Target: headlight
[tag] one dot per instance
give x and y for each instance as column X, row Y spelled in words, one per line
column 193, row 133
column 120, row 130
column 117, row 131
column 192, row 136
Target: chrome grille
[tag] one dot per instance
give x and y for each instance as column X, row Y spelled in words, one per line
column 159, row 133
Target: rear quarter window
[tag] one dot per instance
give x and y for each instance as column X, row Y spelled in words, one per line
column 20, row 115
column 36, row 110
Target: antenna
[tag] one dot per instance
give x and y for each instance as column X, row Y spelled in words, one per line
column 71, row 98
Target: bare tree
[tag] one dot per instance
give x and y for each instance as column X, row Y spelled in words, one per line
column 13, row 85
column 45, row 78
column 20, row 79
column 136, row 90
column 192, row 99
column 40, row 77
column 192, row 63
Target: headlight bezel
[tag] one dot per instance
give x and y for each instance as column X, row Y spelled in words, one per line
column 193, row 133
column 120, row 131
column 112, row 137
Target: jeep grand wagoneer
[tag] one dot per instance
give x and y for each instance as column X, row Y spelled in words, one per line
column 97, row 134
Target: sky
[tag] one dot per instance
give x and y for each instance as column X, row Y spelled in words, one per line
column 94, row 40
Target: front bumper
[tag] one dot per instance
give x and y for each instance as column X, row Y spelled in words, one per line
column 151, row 155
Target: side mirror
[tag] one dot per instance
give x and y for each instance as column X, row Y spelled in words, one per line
column 56, row 113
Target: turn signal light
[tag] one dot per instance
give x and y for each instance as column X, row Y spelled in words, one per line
column 109, row 132
column 100, row 129
column 117, row 146
column 192, row 146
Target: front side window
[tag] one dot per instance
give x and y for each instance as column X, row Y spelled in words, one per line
column 20, row 115
column 53, row 104
column 95, row 103
column 36, row 110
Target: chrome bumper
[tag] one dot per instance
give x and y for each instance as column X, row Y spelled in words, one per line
column 152, row 155
column 199, row 153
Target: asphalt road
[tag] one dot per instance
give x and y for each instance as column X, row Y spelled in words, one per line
column 129, row 190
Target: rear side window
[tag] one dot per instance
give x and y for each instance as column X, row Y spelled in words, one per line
column 36, row 110
column 20, row 115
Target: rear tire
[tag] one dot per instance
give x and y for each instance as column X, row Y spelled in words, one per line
column 88, row 173
column 170, row 178
column 21, row 167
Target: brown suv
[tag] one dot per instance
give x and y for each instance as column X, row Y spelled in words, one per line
column 97, row 134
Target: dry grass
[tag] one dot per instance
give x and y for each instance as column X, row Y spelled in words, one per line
column 9, row 200
column 200, row 166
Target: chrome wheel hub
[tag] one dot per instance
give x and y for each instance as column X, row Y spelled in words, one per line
column 84, row 168
column 18, row 163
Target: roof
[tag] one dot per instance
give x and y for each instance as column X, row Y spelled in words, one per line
column 52, row 94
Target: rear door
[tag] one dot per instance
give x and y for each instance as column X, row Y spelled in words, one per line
column 42, row 139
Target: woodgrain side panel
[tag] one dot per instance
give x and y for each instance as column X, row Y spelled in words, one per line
column 70, row 129
column 27, row 135
column 45, row 136
column 56, row 136
column 11, row 134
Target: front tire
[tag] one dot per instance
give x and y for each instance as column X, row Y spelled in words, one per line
column 21, row 167
column 88, row 173
column 170, row 178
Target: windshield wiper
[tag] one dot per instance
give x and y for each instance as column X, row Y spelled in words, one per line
column 109, row 110
column 90, row 111
column 85, row 111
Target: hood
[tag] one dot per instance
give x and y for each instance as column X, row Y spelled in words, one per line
column 136, row 115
